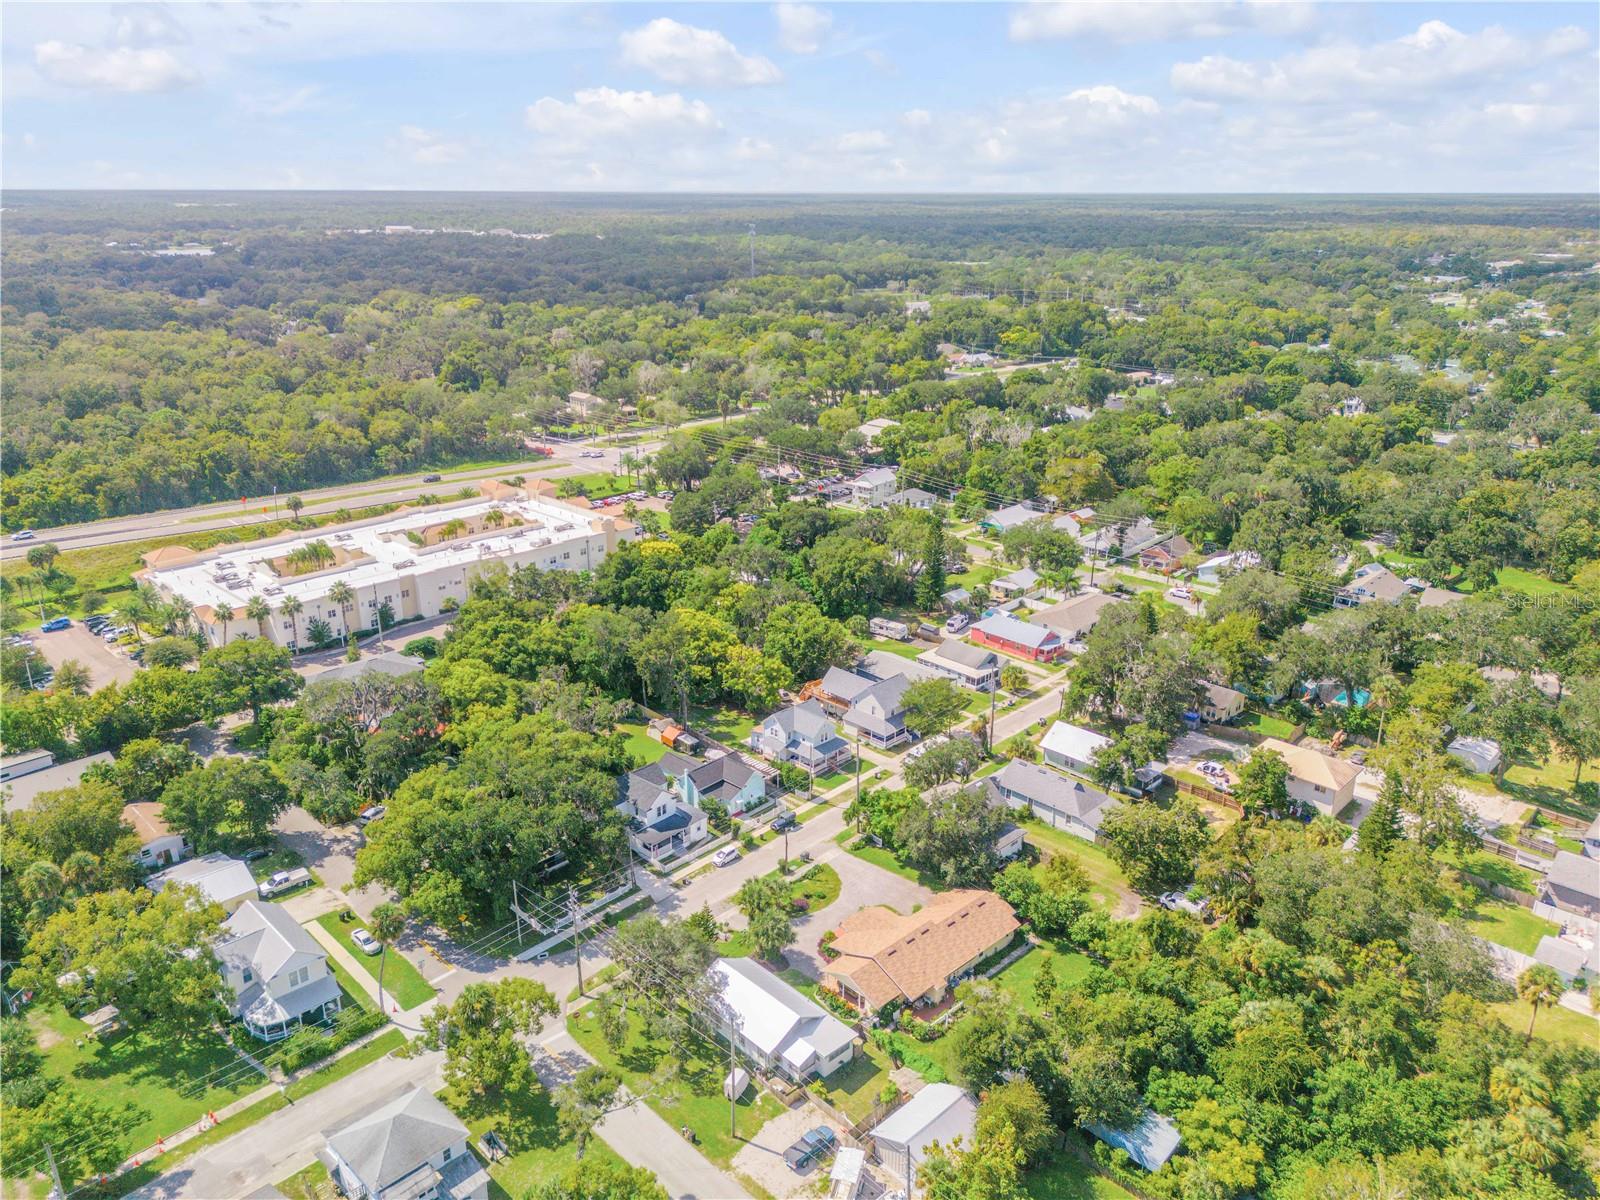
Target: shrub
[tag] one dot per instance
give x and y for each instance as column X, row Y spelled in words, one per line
column 312, row 1044
column 423, row 647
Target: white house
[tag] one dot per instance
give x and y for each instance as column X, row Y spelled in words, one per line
column 277, row 972
column 1215, row 570
column 1476, row 754
column 158, row 845
column 801, row 734
column 970, row 666
column 873, row 487
column 218, row 878
column 940, row 1112
column 1316, row 780
column 872, row 430
column 913, row 498
column 662, row 821
column 411, row 1148
column 780, row 1028
column 1072, row 746
column 868, row 707
column 1022, row 583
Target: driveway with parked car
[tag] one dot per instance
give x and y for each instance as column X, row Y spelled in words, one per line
column 764, row 1158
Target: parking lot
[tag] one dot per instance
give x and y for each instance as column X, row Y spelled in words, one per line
column 77, row 642
column 761, row 1158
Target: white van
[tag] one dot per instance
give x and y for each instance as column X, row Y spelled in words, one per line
column 726, row 857
column 957, row 623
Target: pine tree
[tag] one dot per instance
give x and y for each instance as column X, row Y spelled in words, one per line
column 930, row 584
column 1383, row 827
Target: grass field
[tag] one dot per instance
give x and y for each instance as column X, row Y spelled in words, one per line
column 401, row 980
column 1508, row 924
column 903, row 649
column 1546, row 782
column 1489, row 866
column 1068, row 965
column 727, row 725
column 1265, row 724
column 1106, row 881
column 384, row 1044
column 526, row 1121
column 311, row 1183
column 880, row 856
column 1068, row 1177
column 644, row 748
column 692, row 1096
column 819, row 887
column 161, row 1084
column 1554, row 1024
column 854, row 1089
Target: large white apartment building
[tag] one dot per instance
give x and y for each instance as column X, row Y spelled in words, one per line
column 416, row 561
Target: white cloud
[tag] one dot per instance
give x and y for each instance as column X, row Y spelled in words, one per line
column 1435, row 57
column 862, row 141
column 280, row 104
column 1156, row 22
column 916, row 118
column 430, row 149
column 802, row 28
column 1111, row 103
column 754, row 149
column 123, row 69
column 683, row 54
column 604, row 112
column 148, row 25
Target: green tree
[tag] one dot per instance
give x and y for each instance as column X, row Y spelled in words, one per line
column 251, row 673
column 342, row 595
column 951, row 836
column 1538, row 985
column 990, row 1170
column 931, row 579
column 1263, row 786
column 295, row 504
column 1017, row 1105
column 799, row 636
column 932, row 706
column 143, row 768
column 1383, row 827
column 229, row 801
column 1157, row 848
column 483, row 1031
column 1576, row 728
column 87, row 1136
column 765, row 902
column 600, row 1181
column 581, row 1104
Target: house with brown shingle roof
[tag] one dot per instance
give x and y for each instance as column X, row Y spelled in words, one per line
column 158, row 844
column 885, row 957
column 1316, row 780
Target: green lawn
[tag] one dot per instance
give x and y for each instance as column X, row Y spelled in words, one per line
column 312, row 1183
column 1068, row 1177
column 1508, row 924
column 833, row 779
column 1106, row 880
column 401, row 980
column 728, row 725
column 880, row 856
column 1265, row 724
column 1515, row 579
column 1554, row 1024
column 384, row 1044
column 854, row 1089
column 162, row 1084
column 1546, row 782
column 526, row 1121
column 819, row 886
column 1018, row 979
column 644, row 748
column 692, row 1096
column 903, row 649
column 1489, row 866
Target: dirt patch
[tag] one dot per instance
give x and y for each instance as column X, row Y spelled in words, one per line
column 761, row 1158
column 47, row 1037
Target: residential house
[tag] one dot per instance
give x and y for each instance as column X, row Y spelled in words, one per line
column 1572, row 884
column 1075, row 616
column 1150, row 1143
column 1374, row 581
column 158, row 845
column 940, row 1112
column 1591, row 839
column 1017, row 585
column 1166, row 556
column 410, row 1148
column 1575, row 957
column 1123, row 538
column 868, row 707
column 218, row 878
column 1214, row 570
column 970, row 666
column 872, row 430
column 28, row 776
column 391, row 663
column 1008, row 841
column 885, row 664
column 1013, row 516
column 277, row 972
column 729, row 780
column 1316, row 780
column 912, row 498
column 1066, row 804
column 801, row 734
column 956, row 597
column 916, row 959
column 873, row 487
column 1219, row 705
column 1072, row 746
column 1011, row 635
column 1476, row 754
column 778, row 1027
column 662, row 821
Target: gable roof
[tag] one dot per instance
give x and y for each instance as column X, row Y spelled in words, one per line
column 727, row 773
column 1577, row 874
column 147, row 822
column 387, row 1145
column 1012, row 516
column 774, row 1017
column 1049, row 789
column 1379, row 582
column 806, row 721
column 886, row 956
column 1219, row 695
column 1438, row 597
column 940, row 1112
column 874, row 478
column 974, row 658
column 1073, row 741
column 268, row 940
column 1024, row 578
column 1080, row 612
column 1312, row 766
column 846, row 685
column 1018, row 632
column 218, row 877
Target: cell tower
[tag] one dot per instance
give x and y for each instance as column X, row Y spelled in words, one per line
column 752, row 251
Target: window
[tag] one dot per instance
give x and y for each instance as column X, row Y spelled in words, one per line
column 447, row 1152
column 405, row 593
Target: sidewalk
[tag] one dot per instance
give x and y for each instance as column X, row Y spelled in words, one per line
column 638, row 1134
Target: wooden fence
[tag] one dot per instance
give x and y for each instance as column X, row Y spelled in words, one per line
column 1189, row 788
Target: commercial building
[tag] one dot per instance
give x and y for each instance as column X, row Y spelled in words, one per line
column 418, row 562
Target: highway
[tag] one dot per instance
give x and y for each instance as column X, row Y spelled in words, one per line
column 359, row 494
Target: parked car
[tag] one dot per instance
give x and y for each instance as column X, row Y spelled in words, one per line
column 1178, row 902
column 432, row 478
column 282, row 881
column 364, row 941
column 1181, row 593
column 785, row 821
column 22, row 535
column 56, row 624
column 957, row 623
column 370, row 814
column 726, row 857
column 255, row 853
column 813, row 1144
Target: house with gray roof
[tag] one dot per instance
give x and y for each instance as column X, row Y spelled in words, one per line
column 1075, row 616
column 912, row 498
column 219, row 880
column 971, row 666
column 779, row 1027
column 1572, row 884
column 802, row 734
column 1013, row 516
column 1020, row 583
column 410, row 1148
column 277, row 972
column 1066, row 804
column 1374, row 581
column 870, row 707
column 872, row 488
column 662, row 821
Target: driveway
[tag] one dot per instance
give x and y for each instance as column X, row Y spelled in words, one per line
column 76, row 641
column 761, row 1158
column 331, row 853
column 1195, row 745
column 861, row 884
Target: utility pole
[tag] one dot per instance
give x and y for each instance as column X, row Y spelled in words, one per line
column 858, row 770
column 993, row 692
column 577, row 932
column 60, row 1192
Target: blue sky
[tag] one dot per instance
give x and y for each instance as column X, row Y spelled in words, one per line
column 1170, row 97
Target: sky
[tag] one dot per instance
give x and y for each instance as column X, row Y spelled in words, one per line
column 1233, row 96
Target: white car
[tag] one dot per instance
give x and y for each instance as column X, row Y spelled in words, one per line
column 726, row 857
column 1181, row 593
column 369, row 815
column 365, row 942
column 22, row 535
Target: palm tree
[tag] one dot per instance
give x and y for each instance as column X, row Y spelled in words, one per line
column 1535, row 1135
column 72, row 676
column 1539, row 985
column 452, row 528
column 295, row 504
column 259, row 611
column 224, row 613
column 341, row 595
column 494, row 517
column 292, row 608
column 132, row 612
column 386, row 924
column 1516, row 1083
column 1386, row 692
column 180, row 614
